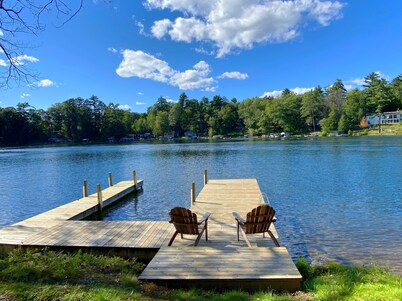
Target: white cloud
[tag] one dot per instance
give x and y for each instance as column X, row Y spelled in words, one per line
column 143, row 65
column 348, row 87
column 232, row 25
column 204, row 51
column 24, row 95
column 277, row 93
column 111, row 49
column 141, row 29
column 160, row 28
column 22, row 59
column 382, row 75
column 3, row 63
column 124, row 107
column 140, row 93
column 357, row 81
column 211, row 89
column 298, row 90
column 234, row 75
column 45, row 83
column 139, row 103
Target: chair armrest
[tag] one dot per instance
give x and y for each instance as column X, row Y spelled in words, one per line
column 204, row 218
column 238, row 218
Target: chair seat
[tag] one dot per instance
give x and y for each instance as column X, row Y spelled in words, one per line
column 257, row 221
column 186, row 222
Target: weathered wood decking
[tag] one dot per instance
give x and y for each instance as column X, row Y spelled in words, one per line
column 17, row 234
column 222, row 261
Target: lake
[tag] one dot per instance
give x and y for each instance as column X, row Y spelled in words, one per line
column 335, row 198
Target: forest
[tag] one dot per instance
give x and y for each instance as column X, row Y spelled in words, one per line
column 330, row 109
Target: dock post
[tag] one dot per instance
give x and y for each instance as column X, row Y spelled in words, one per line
column 110, row 180
column 99, row 192
column 135, row 179
column 85, row 189
column 205, row 177
column 193, row 192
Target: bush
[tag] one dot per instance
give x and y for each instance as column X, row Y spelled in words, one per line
column 305, row 268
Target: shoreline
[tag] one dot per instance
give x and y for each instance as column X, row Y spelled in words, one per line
column 221, row 138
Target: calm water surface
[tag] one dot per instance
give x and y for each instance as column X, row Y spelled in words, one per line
column 338, row 199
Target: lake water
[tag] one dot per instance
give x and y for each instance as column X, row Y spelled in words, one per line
column 336, row 198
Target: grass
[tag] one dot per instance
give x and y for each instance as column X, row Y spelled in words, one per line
column 387, row 130
column 49, row 275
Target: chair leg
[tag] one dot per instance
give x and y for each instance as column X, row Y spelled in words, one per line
column 172, row 239
column 181, row 235
column 245, row 237
column 199, row 237
column 273, row 238
column 206, row 230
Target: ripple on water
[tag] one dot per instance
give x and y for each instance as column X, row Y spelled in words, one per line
column 337, row 199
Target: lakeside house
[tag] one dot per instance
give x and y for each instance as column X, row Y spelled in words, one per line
column 384, row 118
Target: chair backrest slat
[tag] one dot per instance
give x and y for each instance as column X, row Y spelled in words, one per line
column 259, row 219
column 184, row 220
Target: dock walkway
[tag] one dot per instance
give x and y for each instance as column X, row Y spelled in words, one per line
column 17, row 234
column 222, row 261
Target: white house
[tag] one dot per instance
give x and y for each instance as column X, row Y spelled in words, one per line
column 386, row 118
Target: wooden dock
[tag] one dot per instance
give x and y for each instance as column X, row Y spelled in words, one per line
column 222, row 261
column 17, row 234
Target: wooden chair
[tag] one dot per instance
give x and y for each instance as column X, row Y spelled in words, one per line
column 186, row 222
column 258, row 220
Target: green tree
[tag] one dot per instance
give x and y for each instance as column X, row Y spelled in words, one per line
column 161, row 125
column 252, row 111
column 284, row 112
column 117, row 123
column 378, row 95
column 140, row 125
column 335, row 95
column 313, row 106
column 14, row 127
column 354, row 109
column 177, row 116
column 396, row 93
column 228, row 116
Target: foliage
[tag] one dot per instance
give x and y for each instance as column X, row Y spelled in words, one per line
column 79, row 119
column 305, row 268
column 313, row 106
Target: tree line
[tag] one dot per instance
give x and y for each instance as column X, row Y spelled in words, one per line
column 330, row 109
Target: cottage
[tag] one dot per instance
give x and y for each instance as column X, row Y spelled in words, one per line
column 386, row 118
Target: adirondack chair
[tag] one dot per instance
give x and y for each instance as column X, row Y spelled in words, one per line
column 258, row 220
column 186, row 222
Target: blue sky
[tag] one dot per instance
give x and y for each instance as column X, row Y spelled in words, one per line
column 132, row 52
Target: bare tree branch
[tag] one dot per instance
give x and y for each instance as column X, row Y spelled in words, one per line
column 18, row 20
